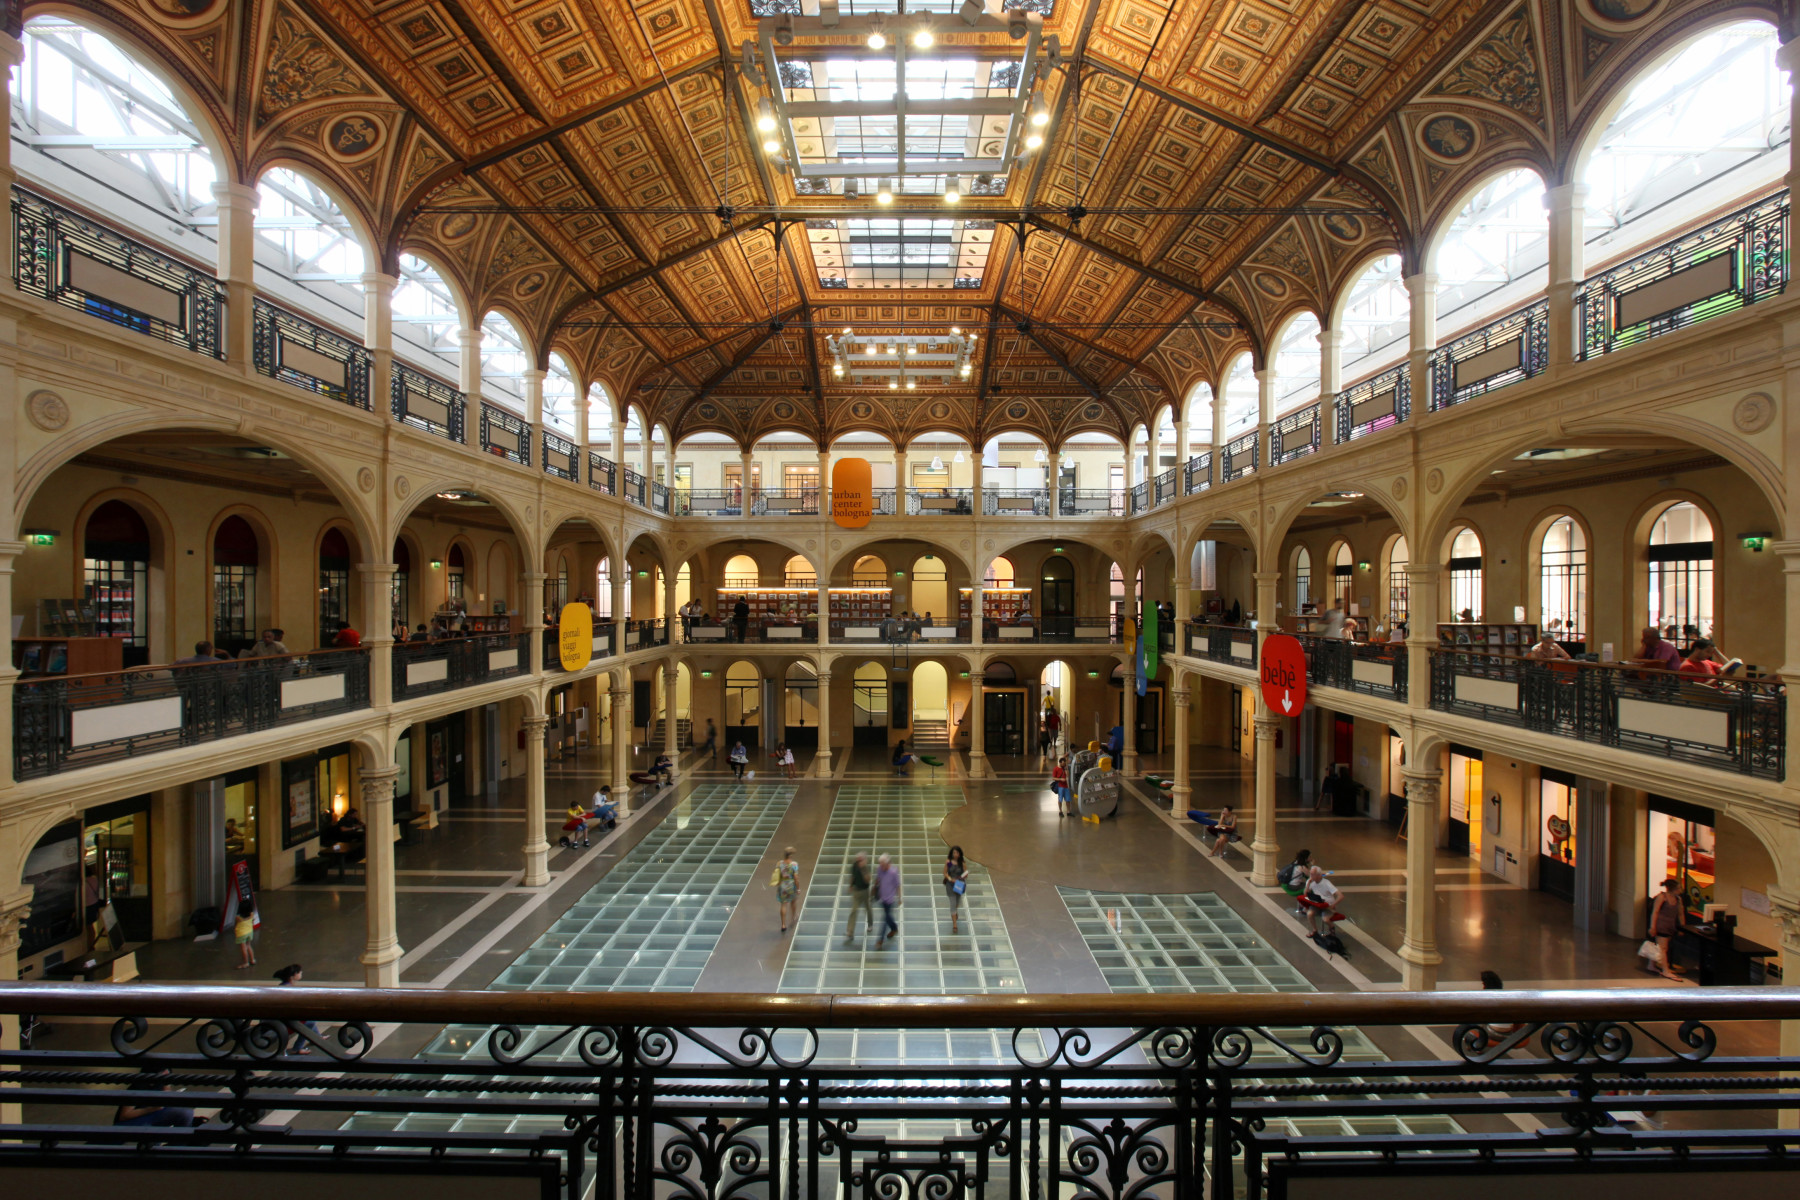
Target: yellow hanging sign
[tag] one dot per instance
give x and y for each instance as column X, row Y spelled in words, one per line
column 575, row 636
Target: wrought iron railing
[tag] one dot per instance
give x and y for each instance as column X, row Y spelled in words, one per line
column 1099, row 502
column 426, row 403
column 659, row 497
column 633, row 487
column 505, row 435
column 709, row 502
column 552, row 645
column 562, row 458
column 1238, row 458
column 426, row 668
column 1379, row 402
column 642, row 633
column 1233, row 644
column 1296, row 435
column 1165, row 486
column 294, row 350
column 85, row 266
column 894, row 631
column 67, row 722
column 602, row 474
column 786, row 501
column 1372, row 668
column 1139, row 497
column 885, row 499
column 619, row 1095
column 1716, row 270
column 1196, row 474
column 939, row 502
column 1015, row 502
column 1733, row 724
column 1515, row 347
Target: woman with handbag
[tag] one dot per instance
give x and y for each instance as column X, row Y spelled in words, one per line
column 1666, row 917
column 956, row 882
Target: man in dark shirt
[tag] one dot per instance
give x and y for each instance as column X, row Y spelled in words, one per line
column 740, row 616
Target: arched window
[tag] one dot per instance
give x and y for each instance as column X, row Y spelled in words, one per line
column 1465, row 575
column 1708, row 126
column 600, row 414
column 306, row 239
column 1681, row 573
column 1297, row 363
column 1116, row 595
column 1302, row 579
column 236, row 554
column 1242, row 404
column 427, row 323
column 503, row 361
column 1200, row 418
column 603, row 605
column 1398, row 561
column 1562, row 573
column 456, row 570
column 559, row 396
column 1376, row 320
column 400, row 592
column 743, row 701
column 116, row 573
column 799, row 572
column 869, row 571
column 1495, row 253
column 740, row 571
column 999, row 574
column 1343, row 576
column 334, row 584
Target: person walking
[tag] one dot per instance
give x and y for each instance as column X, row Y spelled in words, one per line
column 787, row 885
column 710, row 747
column 956, row 882
column 244, row 931
column 1059, row 783
column 739, row 759
column 1052, row 729
column 858, row 884
column 887, row 894
column 1667, row 916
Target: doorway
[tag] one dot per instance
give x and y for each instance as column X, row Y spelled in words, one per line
column 743, row 704
column 1149, row 719
column 1465, row 802
column 1343, row 740
column 931, row 693
column 1056, row 600
column 1557, row 847
column 800, row 724
column 931, row 590
column 1237, row 726
column 1003, row 720
column 869, row 706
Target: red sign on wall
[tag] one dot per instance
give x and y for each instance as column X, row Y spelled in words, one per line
column 1282, row 662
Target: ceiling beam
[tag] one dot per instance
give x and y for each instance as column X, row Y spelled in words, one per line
column 1149, row 272
column 643, row 273
column 1025, row 327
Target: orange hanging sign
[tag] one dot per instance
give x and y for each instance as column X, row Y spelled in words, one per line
column 852, row 492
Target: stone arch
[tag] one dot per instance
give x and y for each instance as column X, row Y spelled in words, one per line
column 268, row 558
column 160, row 627
column 319, row 173
column 430, row 256
column 1437, row 226
column 523, row 531
column 855, row 549
column 1287, row 512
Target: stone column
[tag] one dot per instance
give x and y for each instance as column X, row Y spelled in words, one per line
column 671, row 736
column 978, row 767
column 1784, row 906
column 1128, row 718
column 582, row 431
column 670, row 624
column 381, row 952
column 1422, row 290
column 1331, row 382
column 378, row 629
column 9, row 674
column 1181, row 446
column 900, row 483
column 537, row 850
column 617, row 451
column 1266, row 399
column 621, row 587
column 1265, row 847
column 746, row 460
column 531, row 384
column 1568, row 207
column 1789, row 549
column 1418, row 951
column 12, row 53
column 977, row 598
column 975, row 465
column 621, row 748
column 237, row 270
column 1421, row 628
column 1184, row 606
column 1181, row 791
column 823, row 761
column 534, row 620
column 378, row 337
column 669, row 471
column 1218, row 419
column 648, row 467
column 469, row 378
column 824, row 482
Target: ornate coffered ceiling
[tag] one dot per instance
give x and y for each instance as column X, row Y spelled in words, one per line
column 588, row 166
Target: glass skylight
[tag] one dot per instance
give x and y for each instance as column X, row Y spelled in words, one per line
column 503, row 361
column 890, row 252
column 309, row 234
column 426, row 321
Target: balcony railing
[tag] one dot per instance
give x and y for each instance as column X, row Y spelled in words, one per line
column 1372, row 668
column 1165, row 485
column 939, row 502
column 625, row 1096
column 1196, row 475
column 68, row 722
column 1015, row 502
column 1098, row 502
column 786, row 501
column 1515, row 347
column 1098, row 630
column 632, row 487
column 602, row 474
column 81, row 265
column 1295, row 435
column 427, row 403
column 292, row 349
column 1377, row 403
column 552, row 649
column 562, row 458
column 505, row 435
column 426, row 668
column 659, row 497
column 709, row 502
column 893, row 631
column 1732, row 724
column 1720, row 269
column 1231, row 644
column 1140, row 497
column 644, row 633
column 1238, row 458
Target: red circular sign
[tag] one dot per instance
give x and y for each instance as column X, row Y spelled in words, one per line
column 1281, row 661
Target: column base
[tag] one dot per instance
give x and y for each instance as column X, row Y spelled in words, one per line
column 978, row 765
column 537, row 865
column 1263, row 867
column 1180, row 799
column 1419, row 969
column 381, row 965
column 821, row 765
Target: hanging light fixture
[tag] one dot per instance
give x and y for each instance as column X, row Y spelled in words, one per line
column 958, row 458
column 765, row 115
column 1040, row 112
column 1042, row 455
column 923, row 36
column 952, row 190
column 883, row 193
column 877, row 35
column 937, row 461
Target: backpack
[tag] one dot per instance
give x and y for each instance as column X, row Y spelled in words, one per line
column 1333, row 944
column 1285, row 876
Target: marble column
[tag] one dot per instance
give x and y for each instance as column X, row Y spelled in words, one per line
column 531, row 384
column 1331, row 382
column 621, row 747
column 1265, row 847
column 671, row 713
column 978, row 767
column 1422, row 291
column 469, row 378
column 900, row 483
column 378, row 336
column 1421, row 629
column 746, row 460
column 1180, row 793
column 537, row 850
column 1418, row 950
column 381, row 951
column 1568, row 210
column 377, row 629
column 822, row 762
column 533, row 654
column 237, row 270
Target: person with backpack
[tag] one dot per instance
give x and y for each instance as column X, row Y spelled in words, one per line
column 1293, row 877
column 739, row 759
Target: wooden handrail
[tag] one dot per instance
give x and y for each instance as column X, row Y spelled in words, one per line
column 213, row 664
column 1761, row 678
column 720, row 1009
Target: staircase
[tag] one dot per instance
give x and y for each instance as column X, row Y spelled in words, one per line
column 684, row 734
column 929, row 734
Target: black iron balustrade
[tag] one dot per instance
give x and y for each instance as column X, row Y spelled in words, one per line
column 562, row 458
column 505, row 435
column 294, row 350
column 1231, row 644
column 1238, row 458
column 1515, row 347
column 1015, row 502
column 619, row 1095
column 939, row 502
column 1099, row 502
column 83, row 265
column 1379, row 402
column 552, row 645
column 659, row 497
column 786, row 501
column 1296, row 435
column 1140, row 497
column 1372, row 668
column 1100, row 629
column 1196, row 474
column 1729, row 264
column 632, row 487
column 72, row 721
column 602, row 474
column 1165, row 486
column 642, row 633
column 427, row 668
column 709, row 502
column 1733, row 724
column 426, row 403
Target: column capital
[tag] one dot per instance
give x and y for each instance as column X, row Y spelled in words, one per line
column 1788, row 56
column 238, row 197
column 618, row 693
column 1568, row 197
column 977, row 677
column 378, row 283
column 533, row 576
column 469, row 337
column 1423, row 573
column 1426, row 281
column 1269, row 577
column 1183, row 698
column 824, row 678
column 1266, row 726
column 1332, row 337
column 14, row 908
column 535, row 726
column 377, row 570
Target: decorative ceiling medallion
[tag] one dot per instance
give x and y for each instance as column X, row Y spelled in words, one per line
column 355, row 135
column 1345, row 227
column 402, row 487
column 365, row 480
column 1622, row 12
column 1018, row 410
column 1434, row 482
column 47, row 410
column 940, row 411
column 1754, row 413
column 1449, row 136
column 1400, row 488
column 1270, row 284
column 456, row 226
column 1092, row 412
column 784, row 411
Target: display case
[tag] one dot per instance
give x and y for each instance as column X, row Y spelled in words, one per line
column 69, row 618
column 1488, row 637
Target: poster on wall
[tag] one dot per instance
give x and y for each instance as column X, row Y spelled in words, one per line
column 437, row 765
column 53, row 873
column 299, row 801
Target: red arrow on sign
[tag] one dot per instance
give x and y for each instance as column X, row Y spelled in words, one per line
column 1281, row 661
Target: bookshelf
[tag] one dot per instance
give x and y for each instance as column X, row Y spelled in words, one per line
column 860, row 606
column 79, row 618
column 999, row 605
column 1487, row 637
column 68, row 655
column 768, row 605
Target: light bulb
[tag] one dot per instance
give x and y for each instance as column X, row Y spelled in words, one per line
column 952, row 193
column 1040, row 112
column 765, row 116
column 883, row 193
column 923, row 38
column 771, row 145
column 877, row 35
column 957, row 330
column 893, row 385
column 1033, row 140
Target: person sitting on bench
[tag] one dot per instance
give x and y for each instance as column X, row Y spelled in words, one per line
column 665, row 767
column 902, row 759
column 605, row 812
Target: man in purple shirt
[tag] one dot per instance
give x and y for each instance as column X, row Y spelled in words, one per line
column 887, row 894
column 1657, row 647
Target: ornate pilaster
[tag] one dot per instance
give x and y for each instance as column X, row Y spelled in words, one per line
column 1419, row 948
column 1265, row 850
column 1181, row 790
column 381, row 952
